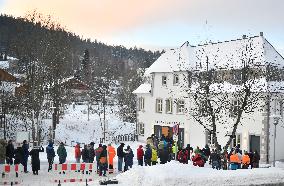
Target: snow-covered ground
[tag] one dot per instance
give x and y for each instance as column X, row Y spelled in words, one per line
column 75, row 126
column 174, row 173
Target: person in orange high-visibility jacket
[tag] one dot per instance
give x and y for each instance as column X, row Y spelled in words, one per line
column 111, row 155
column 234, row 160
column 245, row 161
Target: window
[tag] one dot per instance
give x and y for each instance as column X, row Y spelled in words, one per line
column 236, row 104
column 236, row 141
column 176, row 79
column 141, row 129
column 169, row 106
column 159, row 105
column 164, row 80
column 141, row 103
column 180, row 106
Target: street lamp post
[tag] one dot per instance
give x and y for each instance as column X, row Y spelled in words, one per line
column 276, row 119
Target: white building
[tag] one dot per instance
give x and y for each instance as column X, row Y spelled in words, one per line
column 164, row 100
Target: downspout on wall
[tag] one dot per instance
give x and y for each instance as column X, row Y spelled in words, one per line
column 268, row 127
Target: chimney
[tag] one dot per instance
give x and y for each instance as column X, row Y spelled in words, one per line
column 261, row 33
column 244, row 36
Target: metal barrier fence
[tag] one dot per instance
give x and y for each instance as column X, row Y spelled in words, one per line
column 125, row 137
column 11, row 174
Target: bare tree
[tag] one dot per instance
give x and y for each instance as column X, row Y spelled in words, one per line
column 222, row 93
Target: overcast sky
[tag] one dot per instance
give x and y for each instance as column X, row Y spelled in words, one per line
column 161, row 23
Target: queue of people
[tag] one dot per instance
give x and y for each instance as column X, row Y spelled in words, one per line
column 163, row 149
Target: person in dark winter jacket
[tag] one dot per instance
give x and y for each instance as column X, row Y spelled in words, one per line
column 120, row 155
column 25, row 148
column 148, row 155
column 162, row 156
column 85, row 154
column 255, row 159
column 34, row 153
column 62, row 153
column 103, row 161
column 215, row 159
column 19, row 155
column 140, row 155
column 128, row 159
column 3, row 145
column 91, row 153
column 238, row 149
column 189, row 150
column 50, row 155
column 10, row 151
column 206, row 152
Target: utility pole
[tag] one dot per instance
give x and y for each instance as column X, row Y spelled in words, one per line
column 276, row 119
column 32, row 97
column 4, row 121
column 104, row 105
column 88, row 107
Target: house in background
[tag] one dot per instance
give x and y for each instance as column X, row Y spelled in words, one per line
column 163, row 101
column 8, row 84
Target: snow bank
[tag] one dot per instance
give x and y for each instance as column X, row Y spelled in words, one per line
column 175, row 173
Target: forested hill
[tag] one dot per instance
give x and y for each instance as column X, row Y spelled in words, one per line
column 38, row 38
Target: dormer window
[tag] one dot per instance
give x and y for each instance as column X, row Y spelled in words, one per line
column 164, row 80
column 176, row 79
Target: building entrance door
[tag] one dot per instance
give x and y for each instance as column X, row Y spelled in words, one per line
column 254, row 143
column 168, row 132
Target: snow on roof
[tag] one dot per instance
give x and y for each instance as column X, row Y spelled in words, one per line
column 4, row 64
column 11, row 58
column 20, row 75
column 221, row 55
column 8, row 86
column 172, row 60
column 143, row 89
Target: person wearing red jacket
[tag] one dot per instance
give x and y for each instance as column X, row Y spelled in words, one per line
column 77, row 153
column 140, row 155
column 183, row 156
column 198, row 161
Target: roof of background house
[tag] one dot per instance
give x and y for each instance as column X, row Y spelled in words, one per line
column 143, row 89
column 231, row 54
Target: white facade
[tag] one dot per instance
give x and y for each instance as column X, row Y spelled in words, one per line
column 169, row 79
